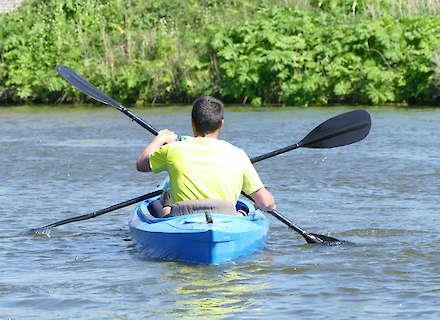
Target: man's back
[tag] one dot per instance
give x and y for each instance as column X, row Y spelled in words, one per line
column 203, row 167
column 206, row 168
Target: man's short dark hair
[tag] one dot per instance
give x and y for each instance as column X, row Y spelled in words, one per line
column 207, row 114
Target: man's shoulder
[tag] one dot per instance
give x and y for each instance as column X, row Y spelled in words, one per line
column 192, row 144
column 176, row 145
column 185, row 145
column 232, row 148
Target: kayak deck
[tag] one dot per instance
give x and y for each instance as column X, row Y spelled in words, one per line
column 190, row 238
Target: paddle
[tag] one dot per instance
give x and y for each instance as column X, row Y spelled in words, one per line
column 309, row 237
column 46, row 229
column 341, row 130
column 344, row 129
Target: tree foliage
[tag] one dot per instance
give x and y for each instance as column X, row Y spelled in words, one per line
column 320, row 52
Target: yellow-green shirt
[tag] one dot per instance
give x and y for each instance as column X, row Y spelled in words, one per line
column 206, row 168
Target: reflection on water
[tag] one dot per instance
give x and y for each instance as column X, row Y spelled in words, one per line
column 213, row 292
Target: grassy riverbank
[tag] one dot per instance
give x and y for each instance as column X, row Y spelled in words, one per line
column 289, row 52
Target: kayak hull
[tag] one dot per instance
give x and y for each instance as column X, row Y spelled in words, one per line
column 191, row 239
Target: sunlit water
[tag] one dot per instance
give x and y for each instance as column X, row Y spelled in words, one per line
column 383, row 194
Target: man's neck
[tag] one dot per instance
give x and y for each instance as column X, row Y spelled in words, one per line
column 214, row 135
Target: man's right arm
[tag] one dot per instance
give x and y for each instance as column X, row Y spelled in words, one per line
column 263, row 199
column 164, row 137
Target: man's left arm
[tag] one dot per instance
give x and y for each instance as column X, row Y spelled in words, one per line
column 253, row 186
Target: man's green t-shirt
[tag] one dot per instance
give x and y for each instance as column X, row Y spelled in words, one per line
column 206, row 168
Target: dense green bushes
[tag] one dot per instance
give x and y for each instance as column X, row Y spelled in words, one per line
column 297, row 57
column 319, row 52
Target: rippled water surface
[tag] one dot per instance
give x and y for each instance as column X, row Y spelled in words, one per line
column 383, row 194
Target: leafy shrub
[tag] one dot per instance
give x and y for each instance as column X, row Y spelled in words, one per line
column 261, row 51
column 301, row 58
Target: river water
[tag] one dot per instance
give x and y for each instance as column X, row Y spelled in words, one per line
column 383, row 194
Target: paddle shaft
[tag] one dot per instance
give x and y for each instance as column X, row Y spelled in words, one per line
column 138, row 120
column 307, row 236
column 275, row 153
column 259, row 158
column 103, row 211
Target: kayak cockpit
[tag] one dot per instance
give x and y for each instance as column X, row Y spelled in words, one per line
column 190, row 238
column 146, row 208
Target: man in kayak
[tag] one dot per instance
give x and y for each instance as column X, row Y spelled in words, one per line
column 206, row 173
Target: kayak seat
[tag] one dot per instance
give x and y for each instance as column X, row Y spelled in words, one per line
column 198, row 206
column 201, row 206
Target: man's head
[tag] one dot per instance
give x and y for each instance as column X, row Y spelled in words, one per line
column 207, row 115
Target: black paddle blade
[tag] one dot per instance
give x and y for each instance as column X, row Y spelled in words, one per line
column 84, row 86
column 344, row 129
column 326, row 240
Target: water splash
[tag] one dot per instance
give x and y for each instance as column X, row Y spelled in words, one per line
column 40, row 232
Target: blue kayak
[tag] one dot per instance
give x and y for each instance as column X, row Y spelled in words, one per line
column 190, row 238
